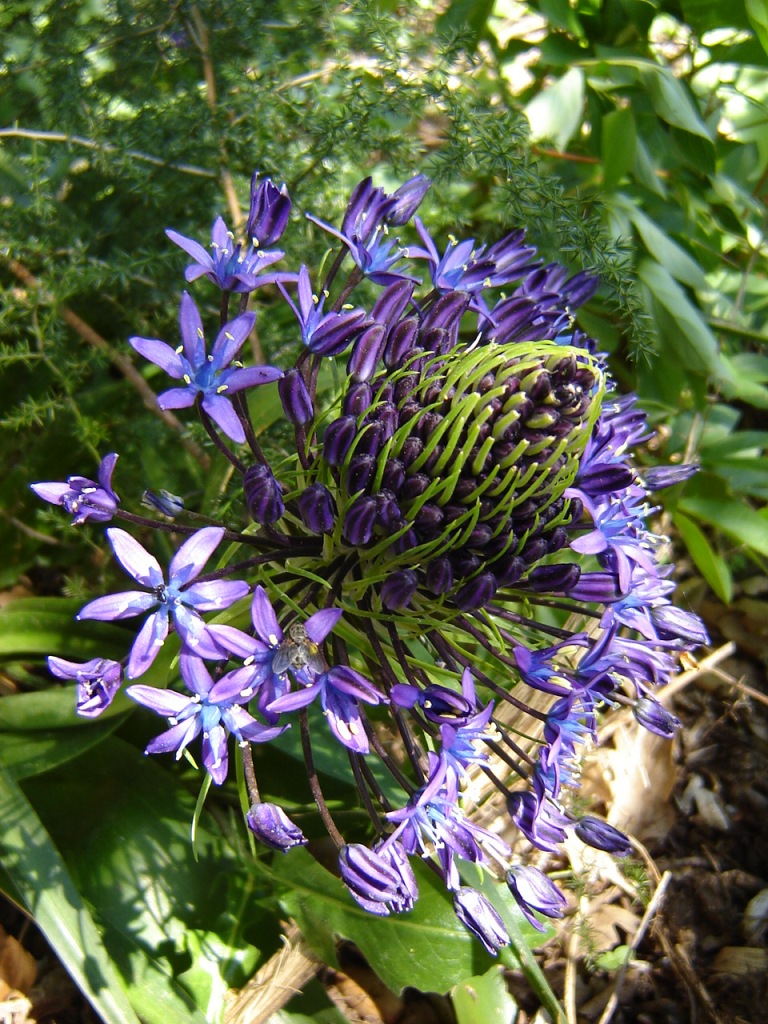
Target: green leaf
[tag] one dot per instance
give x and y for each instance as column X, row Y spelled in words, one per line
column 668, row 253
column 757, row 12
column 468, row 17
column 41, row 626
column 161, row 909
column 426, row 948
column 619, row 138
column 25, row 754
column 41, row 877
column 697, row 345
column 671, row 99
column 614, row 959
column 734, row 518
column 557, row 111
column 484, row 999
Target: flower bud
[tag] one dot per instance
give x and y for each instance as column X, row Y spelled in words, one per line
column 295, row 398
column 602, row 836
column 272, row 826
column 535, row 892
column 263, row 494
column 398, row 589
column 478, row 916
column 317, row 508
column 655, row 718
column 268, row 214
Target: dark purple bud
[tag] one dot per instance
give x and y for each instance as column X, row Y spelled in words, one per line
column 604, row 479
column 297, row 404
column 398, row 589
column 655, row 718
column 364, row 210
column 411, row 450
column 464, row 562
column 335, row 332
column 429, row 517
column 360, row 521
column 477, row 593
column 447, row 311
column 370, row 440
column 478, row 916
column 596, row 586
column 381, row 880
column 405, row 542
column 407, row 199
column 317, row 509
column 167, row 504
column 414, row 486
column 357, row 399
column 439, row 576
column 263, row 494
column 676, row 623
column 579, row 289
column 268, row 215
column 554, row 579
column 667, row 476
column 393, row 476
column 366, row 353
column 361, row 469
column 388, row 418
column 534, row 551
column 603, row 836
column 508, row 570
column 400, row 342
column 535, row 892
column 392, row 303
column 272, row 826
column 445, row 707
column 388, row 514
column 338, row 439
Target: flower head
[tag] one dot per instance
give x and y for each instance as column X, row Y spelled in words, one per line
column 97, row 680
column 209, row 378
column 179, row 601
column 84, row 499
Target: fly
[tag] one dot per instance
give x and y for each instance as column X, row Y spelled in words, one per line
column 297, row 651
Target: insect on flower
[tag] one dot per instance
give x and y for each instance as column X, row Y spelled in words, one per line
column 297, row 651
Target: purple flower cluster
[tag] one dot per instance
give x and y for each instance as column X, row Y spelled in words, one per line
column 473, row 467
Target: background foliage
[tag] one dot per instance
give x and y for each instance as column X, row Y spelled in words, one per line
column 630, row 137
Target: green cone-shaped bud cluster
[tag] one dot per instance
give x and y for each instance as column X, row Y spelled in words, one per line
column 454, row 466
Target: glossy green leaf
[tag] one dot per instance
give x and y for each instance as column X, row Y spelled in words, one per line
column 42, row 626
column 757, row 12
column 484, row 999
column 42, row 879
column 672, row 257
column 30, row 753
column 734, row 518
column 671, row 99
column 133, row 860
column 426, row 948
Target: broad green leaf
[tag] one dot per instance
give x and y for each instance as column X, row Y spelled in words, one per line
column 160, row 907
column 619, row 137
column 712, row 567
column 734, row 518
column 671, row 100
column 426, row 948
column 484, row 999
column 32, row 752
column 40, row 626
column 42, row 879
column 697, row 344
column 556, row 112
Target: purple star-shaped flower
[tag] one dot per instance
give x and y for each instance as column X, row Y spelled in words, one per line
column 179, row 600
column 84, row 498
column 212, row 377
column 340, row 689
column 230, row 266
column 325, row 334
column 214, row 709
column 97, row 680
column 271, row 655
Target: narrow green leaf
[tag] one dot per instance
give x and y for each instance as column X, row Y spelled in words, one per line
column 41, row 877
column 25, row 754
column 426, row 948
column 712, row 567
column 484, row 999
column 669, row 254
column 734, row 518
